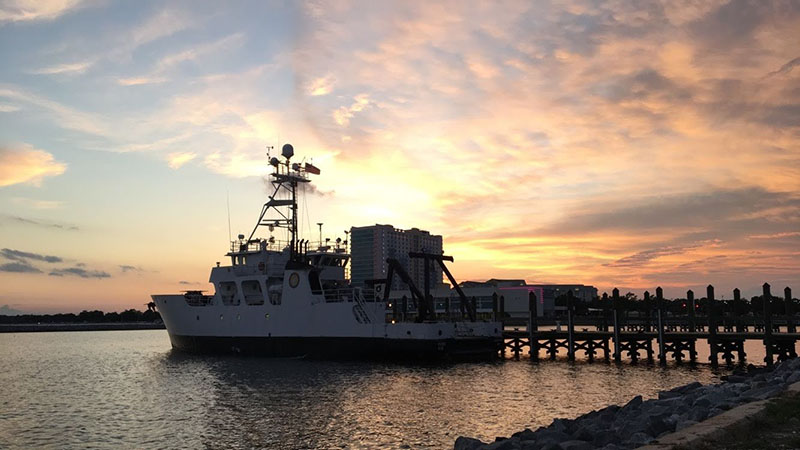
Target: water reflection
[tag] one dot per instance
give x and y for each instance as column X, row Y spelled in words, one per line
column 72, row 390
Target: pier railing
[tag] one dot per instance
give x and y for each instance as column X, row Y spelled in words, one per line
column 658, row 328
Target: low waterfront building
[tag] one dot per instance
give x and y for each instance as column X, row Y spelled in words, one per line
column 515, row 294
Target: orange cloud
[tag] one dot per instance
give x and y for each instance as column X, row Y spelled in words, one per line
column 27, row 165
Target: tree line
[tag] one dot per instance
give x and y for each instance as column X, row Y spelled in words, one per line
column 129, row 315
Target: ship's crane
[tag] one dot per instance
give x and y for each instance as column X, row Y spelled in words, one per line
column 424, row 302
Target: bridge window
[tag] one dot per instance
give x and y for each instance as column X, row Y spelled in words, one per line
column 228, row 293
column 253, row 294
column 313, row 280
column 275, row 290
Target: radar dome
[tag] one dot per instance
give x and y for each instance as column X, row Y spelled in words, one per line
column 287, row 151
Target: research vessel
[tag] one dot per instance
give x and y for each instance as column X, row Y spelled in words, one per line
column 292, row 299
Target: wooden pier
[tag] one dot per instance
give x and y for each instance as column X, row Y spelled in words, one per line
column 656, row 333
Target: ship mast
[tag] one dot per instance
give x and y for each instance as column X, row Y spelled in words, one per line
column 285, row 178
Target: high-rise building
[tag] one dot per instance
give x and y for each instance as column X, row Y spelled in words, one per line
column 370, row 247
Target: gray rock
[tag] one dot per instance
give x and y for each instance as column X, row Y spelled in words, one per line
column 656, row 410
column 659, row 425
column 549, row 438
column 561, row 425
column 612, row 447
column 688, row 388
column 670, row 402
column 607, row 416
column 529, row 445
column 576, row 445
column 633, row 426
column 665, row 395
column 715, row 412
column 710, row 399
column 638, row 439
column 698, row 414
column 775, row 381
column 505, row 444
column 684, row 424
column 586, row 432
column 467, row 443
column 736, row 379
column 604, row 438
column 550, row 446
column 634, row 403
column 525, row 435
column 761, row 393
column 794, row 377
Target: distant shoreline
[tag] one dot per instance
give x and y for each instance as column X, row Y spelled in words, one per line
column 44, row 327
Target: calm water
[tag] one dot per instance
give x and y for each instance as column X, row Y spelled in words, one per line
column 128, row 389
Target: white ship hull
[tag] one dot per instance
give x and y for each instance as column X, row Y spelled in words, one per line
column 304, row 324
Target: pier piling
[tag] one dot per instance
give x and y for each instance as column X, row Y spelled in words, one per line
column 533, row 327
column 662, row 354
column 712, row 326
column 615, row 311
column 790, row 326
column 570, row 326
column 767, row 300
column 738, row 311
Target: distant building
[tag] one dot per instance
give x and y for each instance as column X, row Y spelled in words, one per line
column 516, row 294
column 370, row 246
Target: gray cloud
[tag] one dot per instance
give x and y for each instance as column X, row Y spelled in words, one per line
column 43, row 223
column 126, row 268
column 641, row 85
column 732, row 23
column 18, row 255
column 736, row 207
column 786, row 68
column 643, row 257
column 19, row 267
column 783, row 116
column 79, row 272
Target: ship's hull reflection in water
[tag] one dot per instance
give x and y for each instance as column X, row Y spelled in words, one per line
column 129, row 389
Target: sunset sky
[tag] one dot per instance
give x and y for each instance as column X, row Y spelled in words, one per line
column 568, row 142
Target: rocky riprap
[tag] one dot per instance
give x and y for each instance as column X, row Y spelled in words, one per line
column 640, row 422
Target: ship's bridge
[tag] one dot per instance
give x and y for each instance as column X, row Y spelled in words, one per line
column 258, row 256
column 331, row 261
